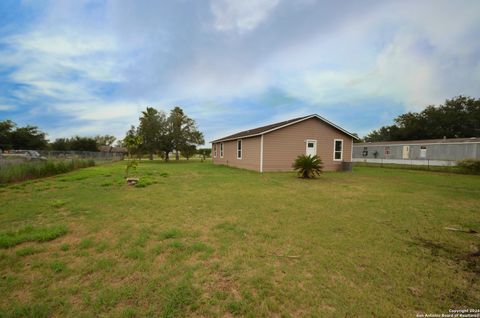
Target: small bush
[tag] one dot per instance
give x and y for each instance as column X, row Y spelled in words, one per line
column 31, row 234
column 471, row 166
column 308, row 166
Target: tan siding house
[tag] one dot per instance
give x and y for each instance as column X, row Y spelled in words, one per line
column 275, row 147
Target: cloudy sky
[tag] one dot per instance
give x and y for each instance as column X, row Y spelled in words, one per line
column 89, row 67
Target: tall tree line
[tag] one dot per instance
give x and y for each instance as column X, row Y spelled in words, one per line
column 79, row 143
column 457, row 118
column 14, row 137
column 32, row 138
column 162, row 134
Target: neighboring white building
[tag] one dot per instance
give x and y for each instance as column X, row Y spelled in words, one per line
column 435, row 152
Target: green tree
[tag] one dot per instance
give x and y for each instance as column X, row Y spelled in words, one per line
column 184, row 131
column 153, row 125
column 6, row 130
column 205, row 152
column 105, row 140
column 457, row 117
column 28, row 137
column 132, row 141
column 61, row 144
column 78, row 143
column 188, row 151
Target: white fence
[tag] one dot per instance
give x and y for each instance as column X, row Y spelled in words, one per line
column 411, row 162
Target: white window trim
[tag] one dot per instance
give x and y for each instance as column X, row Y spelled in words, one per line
column 334, row 151
column 315, row 145
column 215, row 150
column 222, row 149
column 241, row 149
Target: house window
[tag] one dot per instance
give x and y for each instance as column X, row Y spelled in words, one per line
column 221, row 150
column 215, row 151
column 338, row 149
column 387, row 151
column 239, row 149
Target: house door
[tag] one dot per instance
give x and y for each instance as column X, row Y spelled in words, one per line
column 406, row 152
column 311, row 147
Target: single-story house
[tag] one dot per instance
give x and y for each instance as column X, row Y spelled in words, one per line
column 274, row 147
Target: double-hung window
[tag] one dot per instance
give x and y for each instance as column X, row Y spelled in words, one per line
column 215, row 150
column 338, row 149
column 221, row 150
column 239, row 149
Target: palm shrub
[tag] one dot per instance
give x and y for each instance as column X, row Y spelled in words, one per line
column 308, row 166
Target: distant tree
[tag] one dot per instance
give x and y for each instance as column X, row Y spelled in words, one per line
column 28, row 137
column 205, row 152
column 188, row 151
column 159, row 134
column 152, row 127
column 358, row 138
column 457, row 117
column 78, row 143
column 132, row 141
column 184, row 131
column 6, row 130
column 61, row 144
column 119, row 143
column 166, row 146
column 105, row 140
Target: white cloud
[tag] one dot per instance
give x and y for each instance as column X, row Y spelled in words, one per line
column 100, row 65
column 7, row 107
column 412, row 59
column 242, row 16
column 99, row 110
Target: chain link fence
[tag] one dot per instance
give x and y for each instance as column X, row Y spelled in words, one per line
column 19, row 157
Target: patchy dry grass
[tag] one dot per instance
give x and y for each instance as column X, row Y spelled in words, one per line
column 31, row 234
column 199, row 240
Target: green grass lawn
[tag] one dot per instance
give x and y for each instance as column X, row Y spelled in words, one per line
column 195, row 239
